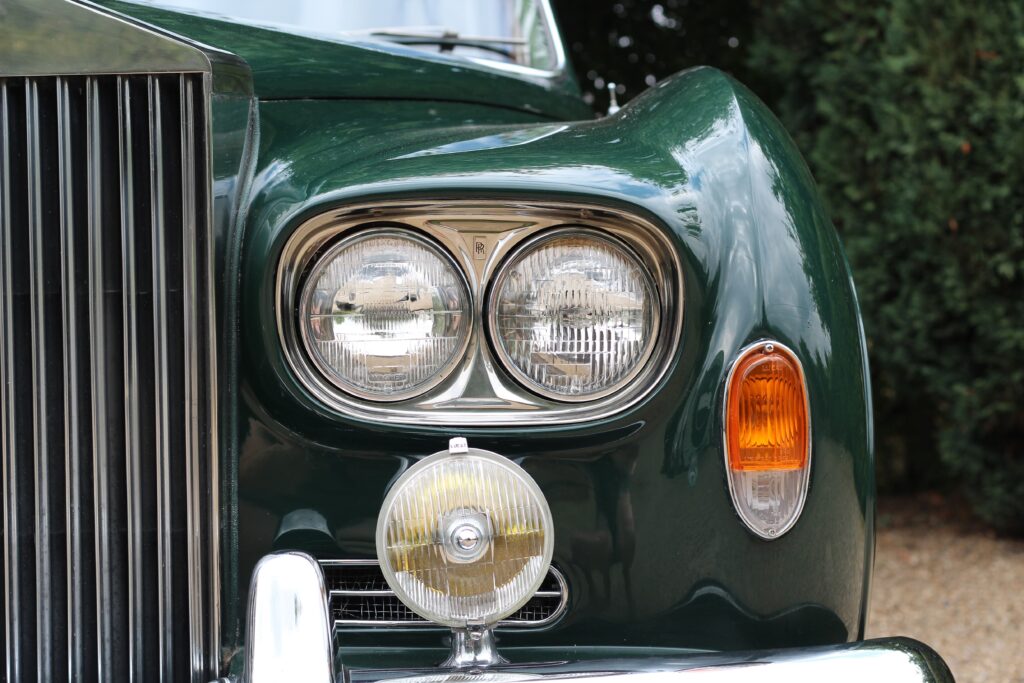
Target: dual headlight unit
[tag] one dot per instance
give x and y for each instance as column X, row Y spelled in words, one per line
column 386, row 314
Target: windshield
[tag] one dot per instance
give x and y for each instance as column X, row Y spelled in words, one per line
column 509, row 32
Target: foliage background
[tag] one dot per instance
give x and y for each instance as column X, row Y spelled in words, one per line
column 910, row 114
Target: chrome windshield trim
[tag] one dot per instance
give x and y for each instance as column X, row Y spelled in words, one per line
column 480, row 234
column 557, row 44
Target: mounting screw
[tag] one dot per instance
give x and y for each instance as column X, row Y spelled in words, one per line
column 769, row 348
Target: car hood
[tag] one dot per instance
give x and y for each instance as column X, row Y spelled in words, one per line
column 290, row 66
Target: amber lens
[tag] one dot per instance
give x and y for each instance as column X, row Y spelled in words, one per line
column 767, row 412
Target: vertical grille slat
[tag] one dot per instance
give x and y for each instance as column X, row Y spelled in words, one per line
column 77, row 435
column 127, row 139
column 43, row 381
column 107, row 323
column 161, row 379
column 98, row 392
column 190, row 333
column 104, row 404
column 12, row 536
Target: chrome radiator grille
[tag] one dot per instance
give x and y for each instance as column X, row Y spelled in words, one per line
column 105, row 369
column 360, row 597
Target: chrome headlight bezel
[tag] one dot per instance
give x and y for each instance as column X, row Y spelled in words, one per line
column 479, row 235
column 322, row 259
column 537, row 242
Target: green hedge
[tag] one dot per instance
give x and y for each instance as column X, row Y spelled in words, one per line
column 911, row 116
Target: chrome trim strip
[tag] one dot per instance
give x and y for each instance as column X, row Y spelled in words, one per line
column 98, row 393
column 557, row 44
column 12, row 547
column 161, row 388
column 41, row 474
column 752, row 524
column 479, row 391
column 562, row 592
column 132, row 388
column 213, row 526
column 72, row 452
column 190, row 332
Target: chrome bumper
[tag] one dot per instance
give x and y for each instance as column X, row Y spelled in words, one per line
column 289, row 640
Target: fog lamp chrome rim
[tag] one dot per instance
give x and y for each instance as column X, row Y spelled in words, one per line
column 538, row 242
column 329, row 375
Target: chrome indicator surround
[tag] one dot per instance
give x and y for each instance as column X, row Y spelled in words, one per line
column 756, row 527
column 480, row 235
column 328, row 374
column 492, row 324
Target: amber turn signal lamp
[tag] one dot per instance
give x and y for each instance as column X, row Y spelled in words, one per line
column 767, row 412
column 767, row 438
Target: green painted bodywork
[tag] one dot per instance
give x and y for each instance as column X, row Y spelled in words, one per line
column 645, row 531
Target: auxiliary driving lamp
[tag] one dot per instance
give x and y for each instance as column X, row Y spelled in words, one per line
column 464, row 537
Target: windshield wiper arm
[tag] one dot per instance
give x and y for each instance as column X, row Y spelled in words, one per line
column 447, row 36
column 449, row 40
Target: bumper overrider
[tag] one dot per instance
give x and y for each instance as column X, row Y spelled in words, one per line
column 463, row 538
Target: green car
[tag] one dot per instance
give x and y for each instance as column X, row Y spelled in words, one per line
column 341, row 342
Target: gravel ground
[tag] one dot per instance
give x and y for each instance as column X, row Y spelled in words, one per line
column 951, row 584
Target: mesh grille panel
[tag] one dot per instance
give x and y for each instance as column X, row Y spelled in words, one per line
column 360, row 597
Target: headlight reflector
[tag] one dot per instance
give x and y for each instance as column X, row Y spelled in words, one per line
column 465, row 538
column 385, row 314
column 574, row 315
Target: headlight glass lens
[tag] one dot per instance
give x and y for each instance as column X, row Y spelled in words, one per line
column 465, row 538
column 574, row 315
column 385, row 314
